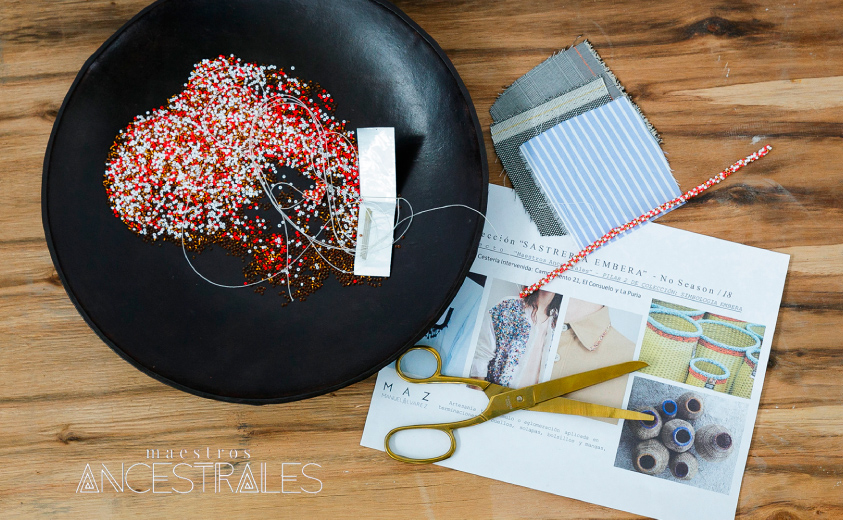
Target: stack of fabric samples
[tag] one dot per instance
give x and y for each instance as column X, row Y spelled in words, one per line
column 581, row 156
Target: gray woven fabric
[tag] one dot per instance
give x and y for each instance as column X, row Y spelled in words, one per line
column 510, row 134
column 556, row 76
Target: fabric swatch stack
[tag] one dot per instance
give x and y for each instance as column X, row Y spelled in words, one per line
column 581, row 156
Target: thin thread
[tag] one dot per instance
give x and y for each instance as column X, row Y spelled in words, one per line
column 190, row 170
column 249, row 153
column 287, row 221
column 644, row 218
column 585, row 63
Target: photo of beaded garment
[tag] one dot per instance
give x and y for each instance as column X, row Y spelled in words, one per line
column 252, row 160
column 516, row 335
column 701, row 348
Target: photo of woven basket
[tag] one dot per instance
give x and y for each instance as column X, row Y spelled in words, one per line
column 694, row 314
column 726, row 319
column 670, row 340
column 727, row 344
column 756, row 329
column 745, row 380
column 708, row 373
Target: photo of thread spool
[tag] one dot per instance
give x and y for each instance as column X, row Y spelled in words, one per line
column 647, row 429
column 697, row 433
column 690, row 406
column 651, row 457
column 668, row 409
column 683, row 465
column 677, row 435
column 714, row 442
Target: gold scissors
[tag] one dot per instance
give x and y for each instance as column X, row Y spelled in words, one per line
column 543, row 397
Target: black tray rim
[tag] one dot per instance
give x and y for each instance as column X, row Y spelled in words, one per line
column 45, row 220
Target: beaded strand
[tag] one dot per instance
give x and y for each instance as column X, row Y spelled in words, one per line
column 644, row 218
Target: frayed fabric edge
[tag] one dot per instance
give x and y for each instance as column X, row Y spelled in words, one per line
column 620, row 87
column 611, row 75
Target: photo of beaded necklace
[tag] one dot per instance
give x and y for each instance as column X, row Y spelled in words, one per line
column 249, row 159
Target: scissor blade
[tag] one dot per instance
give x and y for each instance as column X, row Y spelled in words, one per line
column 571, row 407
column 544, row 391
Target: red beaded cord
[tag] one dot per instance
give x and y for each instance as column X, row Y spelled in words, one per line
column 644, row 218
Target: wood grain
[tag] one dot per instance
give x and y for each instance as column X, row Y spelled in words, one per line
column 716, row 78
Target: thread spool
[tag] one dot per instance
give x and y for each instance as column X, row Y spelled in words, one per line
column 677, row 435
column 668, row 409
column 647, row 429
column 653, row 213
column 683, row 465
column 690, row 406
column 650, row 457
column 714, row 442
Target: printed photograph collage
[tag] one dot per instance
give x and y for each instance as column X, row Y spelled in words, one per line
column 697, row 386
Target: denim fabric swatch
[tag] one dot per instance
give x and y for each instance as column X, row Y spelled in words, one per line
column 600, row 170
column 510, row 134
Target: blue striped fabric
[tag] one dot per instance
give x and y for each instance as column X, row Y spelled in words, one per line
column 600, row 170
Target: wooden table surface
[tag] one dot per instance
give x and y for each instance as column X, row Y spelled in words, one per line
column 717, row 78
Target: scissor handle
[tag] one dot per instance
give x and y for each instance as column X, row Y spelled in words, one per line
column 437, row 376
column 447, row 428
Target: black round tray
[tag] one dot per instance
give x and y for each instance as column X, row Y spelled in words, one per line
column 147, row 304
